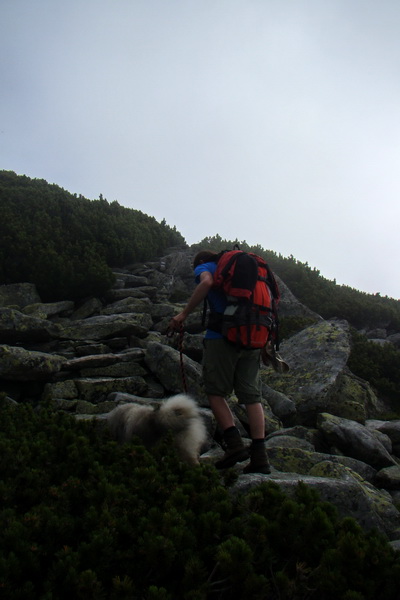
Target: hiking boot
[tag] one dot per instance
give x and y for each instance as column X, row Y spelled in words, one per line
column 259, row 462
column 235, row 451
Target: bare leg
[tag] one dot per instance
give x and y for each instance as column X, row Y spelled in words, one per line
column 221, row 412
column 255, row 415
column 235, row 450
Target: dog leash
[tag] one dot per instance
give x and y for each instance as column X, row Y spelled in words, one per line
column 181, row 334
column 170, row 333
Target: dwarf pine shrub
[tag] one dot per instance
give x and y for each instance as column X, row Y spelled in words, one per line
column 84, row 517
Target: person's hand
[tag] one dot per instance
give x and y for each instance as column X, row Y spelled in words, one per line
column 176, row 323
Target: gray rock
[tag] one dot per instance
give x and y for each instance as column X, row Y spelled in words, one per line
column 388, row 478
column 384, row 440
column 18, row 294
column 174, row 278
column 96, row 390
column 131, row 281
column 395, row 544
column 272, row 423
column 165, row 363
column 300, row 432
column 377, row 334
column 87, row 349
column 89, row 308
column 118, row 369
column 282, row 406
column 289, row 306
column 179, row 264
column 18, row 364
column 65, row 390
column 128, row 305
column 354, row 398
column 299, row 460
column 103, row 327
column 395, row 494
column 160, row 311
column 351, row 498
column 145, row 292
column 163, row 283
column 16, row 327
column 48, row 309
column 389, row 428
column 354, row 440
column 90, row 361
column 381, row 502
column 124, row 398
column 289, row 441
column 318, row 379
column 192, row 345
column 379, row 342
column 394, row 339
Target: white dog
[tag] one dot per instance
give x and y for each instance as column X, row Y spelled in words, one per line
column 178, row 415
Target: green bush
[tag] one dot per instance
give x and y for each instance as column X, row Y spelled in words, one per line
column 83, row 517
column 380, row 365
column 66, row 245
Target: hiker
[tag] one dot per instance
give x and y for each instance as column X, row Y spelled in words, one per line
column 227, row 368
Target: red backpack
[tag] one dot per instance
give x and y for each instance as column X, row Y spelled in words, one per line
column 250, row 318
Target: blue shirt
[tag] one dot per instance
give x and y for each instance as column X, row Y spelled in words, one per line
column 216, row 299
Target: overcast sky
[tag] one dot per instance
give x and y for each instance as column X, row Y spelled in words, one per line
column 271, row 121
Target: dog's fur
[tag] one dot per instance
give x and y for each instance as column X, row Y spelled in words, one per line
column 178, row 415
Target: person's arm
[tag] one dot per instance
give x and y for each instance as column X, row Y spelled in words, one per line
column 200, row 292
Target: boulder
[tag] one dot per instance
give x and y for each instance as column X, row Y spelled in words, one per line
column 130, row 280
column 394, row 338
column 18, row 364
column 120, row 294
column 160, row 311
column 66, row 390
column 174, row 277
column 272, row 423
column 50, row 309
column 372, row 509
column 165, row 363
column 388, row 478
column 355, row 440
column 90, row 361
column 283, row 407
column 96, row 390
column 118, row 369
column 299, row 432
column 377, row 334
column 192, row 344
column 288, row 441
column 289, row 306
column 18, row 294
column 379, row 502
column 291, row 458
column 318, row 379
column 15, row 327
column 106, row 326
column 354, row 398
column 88, row 308
column 128, row 305
column 389, row 428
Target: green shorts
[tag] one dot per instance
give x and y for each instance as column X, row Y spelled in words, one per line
column 227, row 369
